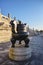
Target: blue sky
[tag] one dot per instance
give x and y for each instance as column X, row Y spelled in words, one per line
column 29, row 11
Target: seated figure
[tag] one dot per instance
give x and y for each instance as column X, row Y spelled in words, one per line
column 20, row 34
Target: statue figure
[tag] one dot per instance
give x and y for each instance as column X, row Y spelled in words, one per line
column 19, row 34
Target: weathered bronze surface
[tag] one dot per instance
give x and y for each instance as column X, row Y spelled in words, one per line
column 20, row 35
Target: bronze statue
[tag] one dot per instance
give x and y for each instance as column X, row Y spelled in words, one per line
column 20, row 35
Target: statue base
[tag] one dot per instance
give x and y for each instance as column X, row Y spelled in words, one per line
column 20, row 53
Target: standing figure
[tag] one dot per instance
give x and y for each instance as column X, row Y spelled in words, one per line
column 14, row 31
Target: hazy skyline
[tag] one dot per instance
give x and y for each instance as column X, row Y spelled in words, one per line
column 29, row 11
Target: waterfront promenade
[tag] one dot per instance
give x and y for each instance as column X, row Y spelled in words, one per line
column 36, row 44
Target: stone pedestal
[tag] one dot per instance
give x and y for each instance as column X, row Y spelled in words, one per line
column 20, row 53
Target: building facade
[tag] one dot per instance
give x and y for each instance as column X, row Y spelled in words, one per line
column 4, row 21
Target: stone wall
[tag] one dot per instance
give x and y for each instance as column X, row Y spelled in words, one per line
column 5, row 35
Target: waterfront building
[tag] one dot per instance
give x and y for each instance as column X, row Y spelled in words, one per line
column 5, row 29
column 4, row 21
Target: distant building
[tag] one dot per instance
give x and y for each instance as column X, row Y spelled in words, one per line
column 4, row 21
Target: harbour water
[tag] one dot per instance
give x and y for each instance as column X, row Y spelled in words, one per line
column 36, row 44
column 37, row 50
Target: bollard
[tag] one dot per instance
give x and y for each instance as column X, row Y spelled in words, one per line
column 19, row 53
